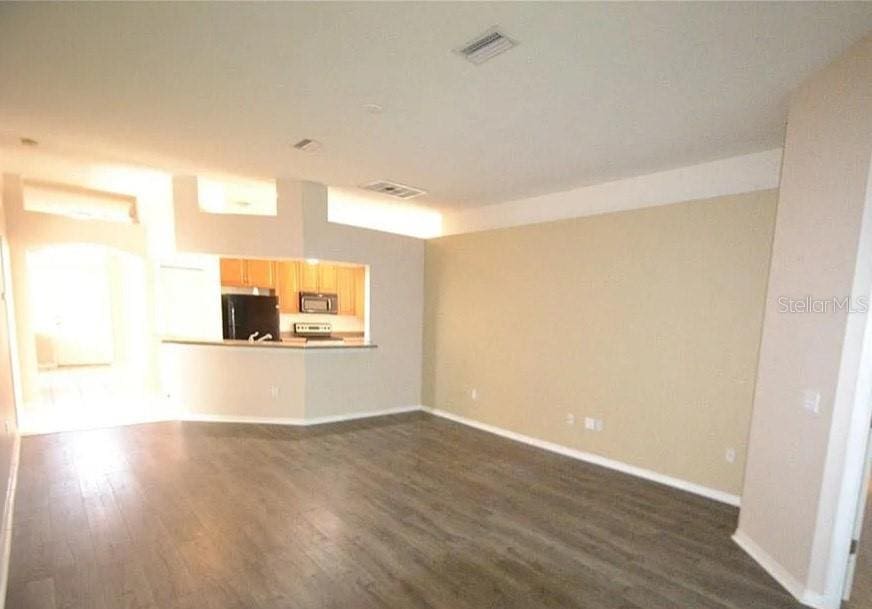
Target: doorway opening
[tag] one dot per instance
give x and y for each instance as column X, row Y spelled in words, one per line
column 87, row 306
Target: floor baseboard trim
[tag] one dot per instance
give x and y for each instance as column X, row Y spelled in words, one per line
column 780, row 574
column 620, row 466
column 8, row 513
column 297, row 422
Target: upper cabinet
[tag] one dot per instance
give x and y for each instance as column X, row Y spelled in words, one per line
column 327, row 278
column 233, row 272
column 290, row 277
column 359, row 290
column 350, row 286
column 345, row 290
column 249, row 273
column 308, row 277
column 261, row 273
column 288, row 286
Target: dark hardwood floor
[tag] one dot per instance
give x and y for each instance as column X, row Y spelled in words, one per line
column 405, row 512
column 861, row 594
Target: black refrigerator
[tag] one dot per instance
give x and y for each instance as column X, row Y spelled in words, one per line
column 245, row 314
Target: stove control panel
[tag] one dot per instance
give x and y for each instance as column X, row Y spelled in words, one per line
column 313, row 329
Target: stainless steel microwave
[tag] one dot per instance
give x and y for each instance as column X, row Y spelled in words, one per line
column 315, row 302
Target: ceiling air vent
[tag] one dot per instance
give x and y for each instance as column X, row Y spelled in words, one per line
column 487, row 46
column 393, row 189
column 309, row 145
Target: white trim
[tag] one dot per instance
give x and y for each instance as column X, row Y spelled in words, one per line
column 229, row 418
column 8, row 512
column 296, row 421
column 684, row 485
column 730, row 176
column 88, row 426
column 780, row 574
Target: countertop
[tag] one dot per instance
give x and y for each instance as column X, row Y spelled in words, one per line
column 285, row 343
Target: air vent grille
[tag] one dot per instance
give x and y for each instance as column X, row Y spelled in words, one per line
column 309, row 145
column 487, row 46
column 394, row 189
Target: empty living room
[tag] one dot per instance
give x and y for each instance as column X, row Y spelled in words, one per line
column 435, row 305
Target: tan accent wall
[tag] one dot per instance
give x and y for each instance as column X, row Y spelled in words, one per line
column 649, row 320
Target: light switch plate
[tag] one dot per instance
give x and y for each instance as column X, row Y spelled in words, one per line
column 811, row 401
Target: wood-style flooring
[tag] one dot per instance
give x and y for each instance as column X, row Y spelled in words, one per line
column 402, row 512
column 861, row 594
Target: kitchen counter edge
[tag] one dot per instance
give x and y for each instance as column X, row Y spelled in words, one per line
column 299, row 345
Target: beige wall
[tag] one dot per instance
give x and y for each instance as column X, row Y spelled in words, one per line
column 389, row 376
column 793, row 494
column 278, row 236
column 8, row 418
column 234, row 382
column 321, row 383
column 648, row 319
column 27, row 231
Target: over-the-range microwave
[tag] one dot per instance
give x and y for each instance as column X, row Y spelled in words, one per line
column 316, row 302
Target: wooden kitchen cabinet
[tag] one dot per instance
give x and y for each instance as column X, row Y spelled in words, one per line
column 359, row 290
column 308, row 277
column 327, row 278
column 288, row 286
column 345, row 290
column 233, row 272
column 246, row 273
column 290, row 277
column 260, row 273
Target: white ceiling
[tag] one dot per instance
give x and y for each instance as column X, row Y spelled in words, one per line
column 594, row 91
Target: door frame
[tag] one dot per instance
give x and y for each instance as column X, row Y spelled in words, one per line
column 862, row 506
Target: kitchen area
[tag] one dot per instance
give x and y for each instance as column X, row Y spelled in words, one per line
column 287, row 303
column 286, row 318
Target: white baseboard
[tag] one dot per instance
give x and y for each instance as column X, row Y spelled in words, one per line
column 8, row 512
column 620, row 466
column 781, row 575
column 299, row 422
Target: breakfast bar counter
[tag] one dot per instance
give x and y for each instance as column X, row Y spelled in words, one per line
column 285, row 343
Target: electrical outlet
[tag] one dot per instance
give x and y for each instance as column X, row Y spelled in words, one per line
column 570, row 419
column 730, row 455
column 593, row 424
column 474, row 395
column 274, row 392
